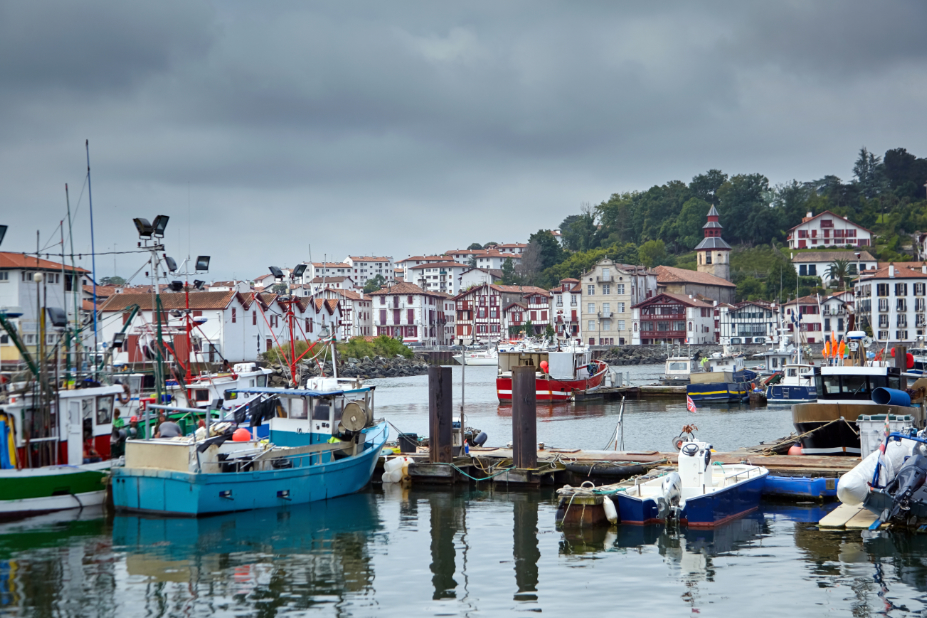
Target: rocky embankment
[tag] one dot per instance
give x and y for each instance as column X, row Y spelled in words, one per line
column 377, row 367
column 649, row 355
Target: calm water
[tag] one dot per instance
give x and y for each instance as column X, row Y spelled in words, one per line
column 392, row 551
column 650, row 424
column 450, row 553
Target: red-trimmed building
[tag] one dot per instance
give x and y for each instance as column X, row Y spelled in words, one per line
column 566, row 309
column 406, row 311
column 673, row 318
column 828, row 230
column 480, row 310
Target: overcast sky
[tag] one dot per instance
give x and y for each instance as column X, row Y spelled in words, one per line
column 396, row 128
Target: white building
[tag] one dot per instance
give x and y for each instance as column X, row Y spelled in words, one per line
column 673, row 319
column 356, row 312
column 417, row 260
column 512, row 247
column 437, row 276
column 366, row 267
column 892, row 301
column 327, row 269
column 818, row 263
column 228, row 286
column 610, row 290
column 18, row 293
column 406, row 311
column 826, row 231
column 806, row 312
column 747, row 320
column 342, row 283
column 490, row 259
column 566, row 309
column 472, row 277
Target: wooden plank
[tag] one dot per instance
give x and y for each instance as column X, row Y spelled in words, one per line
column 839, row 517
column 862, row 520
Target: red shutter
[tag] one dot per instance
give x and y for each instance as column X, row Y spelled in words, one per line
column 411, row 315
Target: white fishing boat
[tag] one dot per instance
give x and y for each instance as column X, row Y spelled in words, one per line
column 478, row 357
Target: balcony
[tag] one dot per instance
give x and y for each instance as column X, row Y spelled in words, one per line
column 605, row 315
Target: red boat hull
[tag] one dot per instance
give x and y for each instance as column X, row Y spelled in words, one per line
column 549, row 389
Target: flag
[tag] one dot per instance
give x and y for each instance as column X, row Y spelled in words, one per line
column 690, row 405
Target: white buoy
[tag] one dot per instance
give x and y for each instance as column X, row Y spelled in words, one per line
column 611, row 513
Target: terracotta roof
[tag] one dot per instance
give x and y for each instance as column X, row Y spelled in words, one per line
column 330, row 279
column 836, row 216
column 682, row 298
column 510, row 305
column 831, row 256
column 332, row 265
column 21, row 260
column 420, row 258
column 349, row 294
column 669, row 274
column 524, row 290
column 399, row 288
column 911, row 265
column 200, row 300
column 804, row 300
column 438, row 265
column 514, row 244
column 901, row 272
column 365, row 258
column 103, row 291
column 569, row 280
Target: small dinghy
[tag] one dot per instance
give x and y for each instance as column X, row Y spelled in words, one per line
column 699, row 494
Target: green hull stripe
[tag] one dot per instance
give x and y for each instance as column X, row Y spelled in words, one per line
column 51, row 485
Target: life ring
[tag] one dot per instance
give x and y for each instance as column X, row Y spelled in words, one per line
column 142, row 404
column 126, row 395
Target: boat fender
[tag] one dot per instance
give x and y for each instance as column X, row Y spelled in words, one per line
column 480, row 439
column 125, row 396
column 611, row 513
column 853, row 487
column 891, row 397
column 241, row 435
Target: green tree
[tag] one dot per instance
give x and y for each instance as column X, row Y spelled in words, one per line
column 869, row 173
column 652, row 253
column 373, row 284
column 549, row 333
column 529, row 328
column 705, row 186
column 579, row 231
column 839, row 271
column 475, row 246
column 114, row 280
column 508, row 272
column 750, row 289
column 690, row 221
column 550, row 252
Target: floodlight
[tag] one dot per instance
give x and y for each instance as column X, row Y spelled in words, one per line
column 57, row 317
column 277, row 273
column 298, row 271
column 159, row 224
column 2, row 233
column 144, row 227
column 176, row 286
column 171, row 263
column 202, row 263
column 176, row 313
column 198, row 284
column 118, row 340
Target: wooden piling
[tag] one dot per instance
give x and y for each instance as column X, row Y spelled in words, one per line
column 440, row 414
column 524, row 418
column 901, row 362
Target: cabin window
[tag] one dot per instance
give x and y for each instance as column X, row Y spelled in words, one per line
column 299, row 408
column 262, row 381
column 201, row 394
column 104, row 410
column 321, row 408
column 679, row 366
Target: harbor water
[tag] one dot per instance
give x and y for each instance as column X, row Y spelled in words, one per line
column 486, row 550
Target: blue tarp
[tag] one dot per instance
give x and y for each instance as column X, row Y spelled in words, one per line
column 6, row 459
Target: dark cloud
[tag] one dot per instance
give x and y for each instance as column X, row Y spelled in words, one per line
column 406, row 127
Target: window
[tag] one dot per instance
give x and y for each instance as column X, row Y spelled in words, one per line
column 883, row 334
column 901, row 289
column 620, row 324
column 882, row 289
column 410, row 300
column 4, row 275
column 410, row 315
column 802, row 271
column 901, row 304
column 590, row 307
column 591, row 324
column 812, row 270
column 382, row 316
column 269, row 344
column 901, row 335
column 919, row 289
column 620, row 307
column 883, row 321
column 606, row 290
column 707, row 258
column 234, row 315
column 620, row 289
column 382, row 300
column 591, row 290
column 105, row 410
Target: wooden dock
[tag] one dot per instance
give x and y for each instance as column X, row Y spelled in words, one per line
column 846, row 517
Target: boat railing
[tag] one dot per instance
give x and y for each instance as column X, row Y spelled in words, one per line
column 749, row 471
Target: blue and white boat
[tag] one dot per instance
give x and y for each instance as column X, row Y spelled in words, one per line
column 699, row 494
column 795, row 386
column 321, row 443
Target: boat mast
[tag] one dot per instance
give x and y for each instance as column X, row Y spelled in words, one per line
column 75, row 287
column 93, row 257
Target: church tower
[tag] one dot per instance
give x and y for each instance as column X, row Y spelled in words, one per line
column 714, row 255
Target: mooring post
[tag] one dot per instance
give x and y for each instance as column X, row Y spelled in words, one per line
column 524, row 418
column 440, row 414
column 901, row 362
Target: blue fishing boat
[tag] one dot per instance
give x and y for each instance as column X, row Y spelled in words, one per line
column 794, row 385
column 320, row 444
column 699, row 494
column 722, row 378
column 722, row 392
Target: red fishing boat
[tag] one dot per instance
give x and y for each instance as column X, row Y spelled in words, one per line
column 560, row 373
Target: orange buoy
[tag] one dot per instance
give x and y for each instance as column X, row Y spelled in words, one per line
column 241, row 435
column 544, row 366
column 795, row 449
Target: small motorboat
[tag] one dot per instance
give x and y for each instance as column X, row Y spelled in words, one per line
column 699, row 494
column 722, row 378
column 796, row 385
column 478, row 358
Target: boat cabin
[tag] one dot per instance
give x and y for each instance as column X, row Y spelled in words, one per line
column 721, row 363
column 678, row 367
column 854, row 383
column 563, row 365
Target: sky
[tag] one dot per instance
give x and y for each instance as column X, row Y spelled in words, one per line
column 271, row 132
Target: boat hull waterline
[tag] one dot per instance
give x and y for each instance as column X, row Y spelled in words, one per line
column 549, row 389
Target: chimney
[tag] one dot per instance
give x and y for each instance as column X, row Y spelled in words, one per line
column 807, row 217
column 891, row 270
column 924, row 268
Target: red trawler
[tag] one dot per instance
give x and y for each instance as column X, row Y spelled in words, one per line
column 559, row 376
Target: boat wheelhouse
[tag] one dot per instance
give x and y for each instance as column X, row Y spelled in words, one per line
column 559, row 375
column 795, row 385
column 843, row 394
column 677, row 370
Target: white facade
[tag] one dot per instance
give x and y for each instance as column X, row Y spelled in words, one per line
column 406, row 311
column 747, row 320
column 406, row 264
column 356, row 312
column 818, row 263
column 566, row 309
column 472, row 277
column 674, row 319
column 368, row 267
column 437, row 276
column 341, row 283
column 327, row 269
column 826, row 231
column 806, row 312
column 892, row 302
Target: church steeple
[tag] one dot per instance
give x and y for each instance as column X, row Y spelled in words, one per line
column 713, row 253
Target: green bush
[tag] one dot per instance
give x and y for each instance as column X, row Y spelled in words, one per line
column 358, row 347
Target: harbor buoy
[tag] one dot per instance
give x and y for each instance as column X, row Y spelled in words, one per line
column 611, row 513
column 241, row 435
column 795, row 449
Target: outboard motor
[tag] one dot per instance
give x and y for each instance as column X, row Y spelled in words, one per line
column 668, row 501
column 910, row 478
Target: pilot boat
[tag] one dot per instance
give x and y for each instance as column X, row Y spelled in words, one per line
column 560, row 374
column 795, row 385
column 720, row 377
